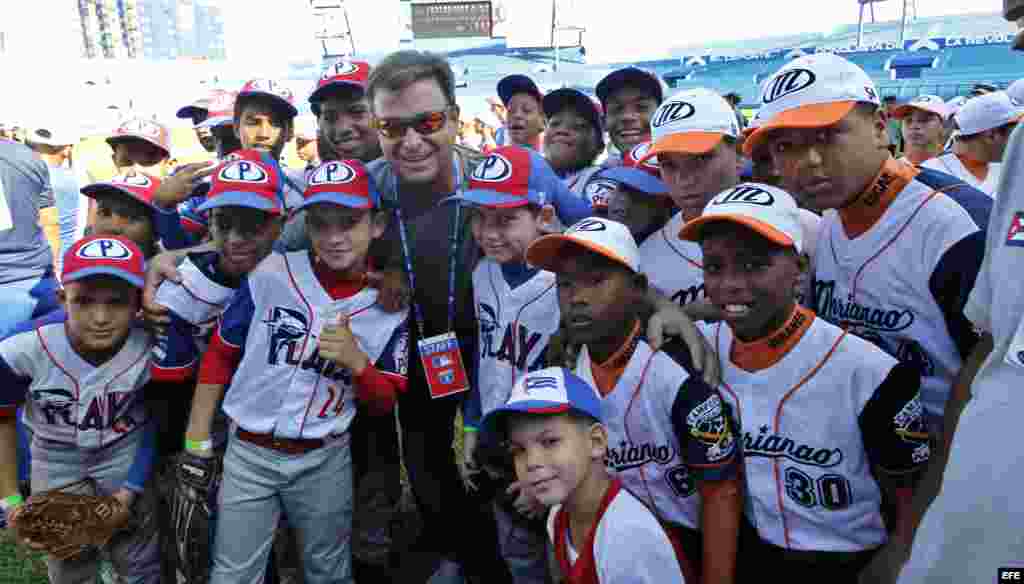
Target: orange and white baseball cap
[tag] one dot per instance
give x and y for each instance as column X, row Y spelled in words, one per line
column 932, row 104
column 770, row 211
column 605, row 237
column 814, row 91
column 988, row 111
column 691, row 122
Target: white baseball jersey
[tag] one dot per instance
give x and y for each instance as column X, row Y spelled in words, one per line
column 516, row 325
column 70, row 400
column 282, row 385
column 951, row 164
column 195, row 304
column 902, row 283
column 673, row 265
column 666, row 431
column 815, row 422
column 627, row 545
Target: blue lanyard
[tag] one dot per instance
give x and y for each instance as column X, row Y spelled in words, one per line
column 454, row 239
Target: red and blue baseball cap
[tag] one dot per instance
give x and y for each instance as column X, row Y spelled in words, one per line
column 220, row 109
column 137, row 185
column 105, row 255
column 554, row 390
column 638, row 171
column 278, row 93
column 629, row 77
column 149, row 131
column 341, row 182
column 245, row 182
column 513, row 84
column 588, row 107
column 341, row 75
column 511, row 176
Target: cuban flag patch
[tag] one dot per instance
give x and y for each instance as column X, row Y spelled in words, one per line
column 1016, row 233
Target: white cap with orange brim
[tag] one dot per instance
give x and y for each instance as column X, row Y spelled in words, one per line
column 769, row 211
column 605, row 237
column 932, row 104
column 815, row 91
column 691, row 122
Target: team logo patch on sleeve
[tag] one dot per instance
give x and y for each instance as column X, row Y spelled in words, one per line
column 1016, row 233
column 708, row 425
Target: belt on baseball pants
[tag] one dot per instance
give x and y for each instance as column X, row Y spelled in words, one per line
column 283, row 445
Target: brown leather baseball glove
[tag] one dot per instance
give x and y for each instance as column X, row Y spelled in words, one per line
column 64, row 525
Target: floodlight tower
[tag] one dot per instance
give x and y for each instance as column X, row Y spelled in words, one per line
column 558, row 26
column 333, row 29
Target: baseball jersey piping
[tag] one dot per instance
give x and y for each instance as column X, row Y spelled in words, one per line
column 74, row 380
column 778, row 414
column 625, row 425
column 668, row 241
column 886, row 245
column 305, row 340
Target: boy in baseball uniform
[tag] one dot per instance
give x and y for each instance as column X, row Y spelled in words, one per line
column 899, row 246
column 244, row 206
column 124, row 208
column 694, row 139
column 82, row 380
column 639, row 199
column 924, row 128
column 670, row 439
column 517, row 309
column 832, row 426
column 601, row 534
column 302, row 339
column 984, row 124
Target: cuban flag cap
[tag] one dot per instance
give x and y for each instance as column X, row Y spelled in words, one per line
column 554, row 390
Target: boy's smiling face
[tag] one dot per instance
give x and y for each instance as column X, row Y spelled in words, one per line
column 553, row 454
column 341, row 236
column 244, row 236
column 100, row 314
column 599, row 298
column 750, row 279
column 504, row 234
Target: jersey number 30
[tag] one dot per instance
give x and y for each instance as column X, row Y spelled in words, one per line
column 831, row 491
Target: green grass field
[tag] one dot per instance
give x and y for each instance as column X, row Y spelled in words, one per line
column 17, row 567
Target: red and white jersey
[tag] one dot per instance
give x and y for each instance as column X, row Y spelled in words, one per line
column 282, row 385
column 666, row 431
column 626, row 545
column 817, row 418
column 516, row 325
column 902, row 283
column 70, row 400
column 673, row 265
column 950, row 164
